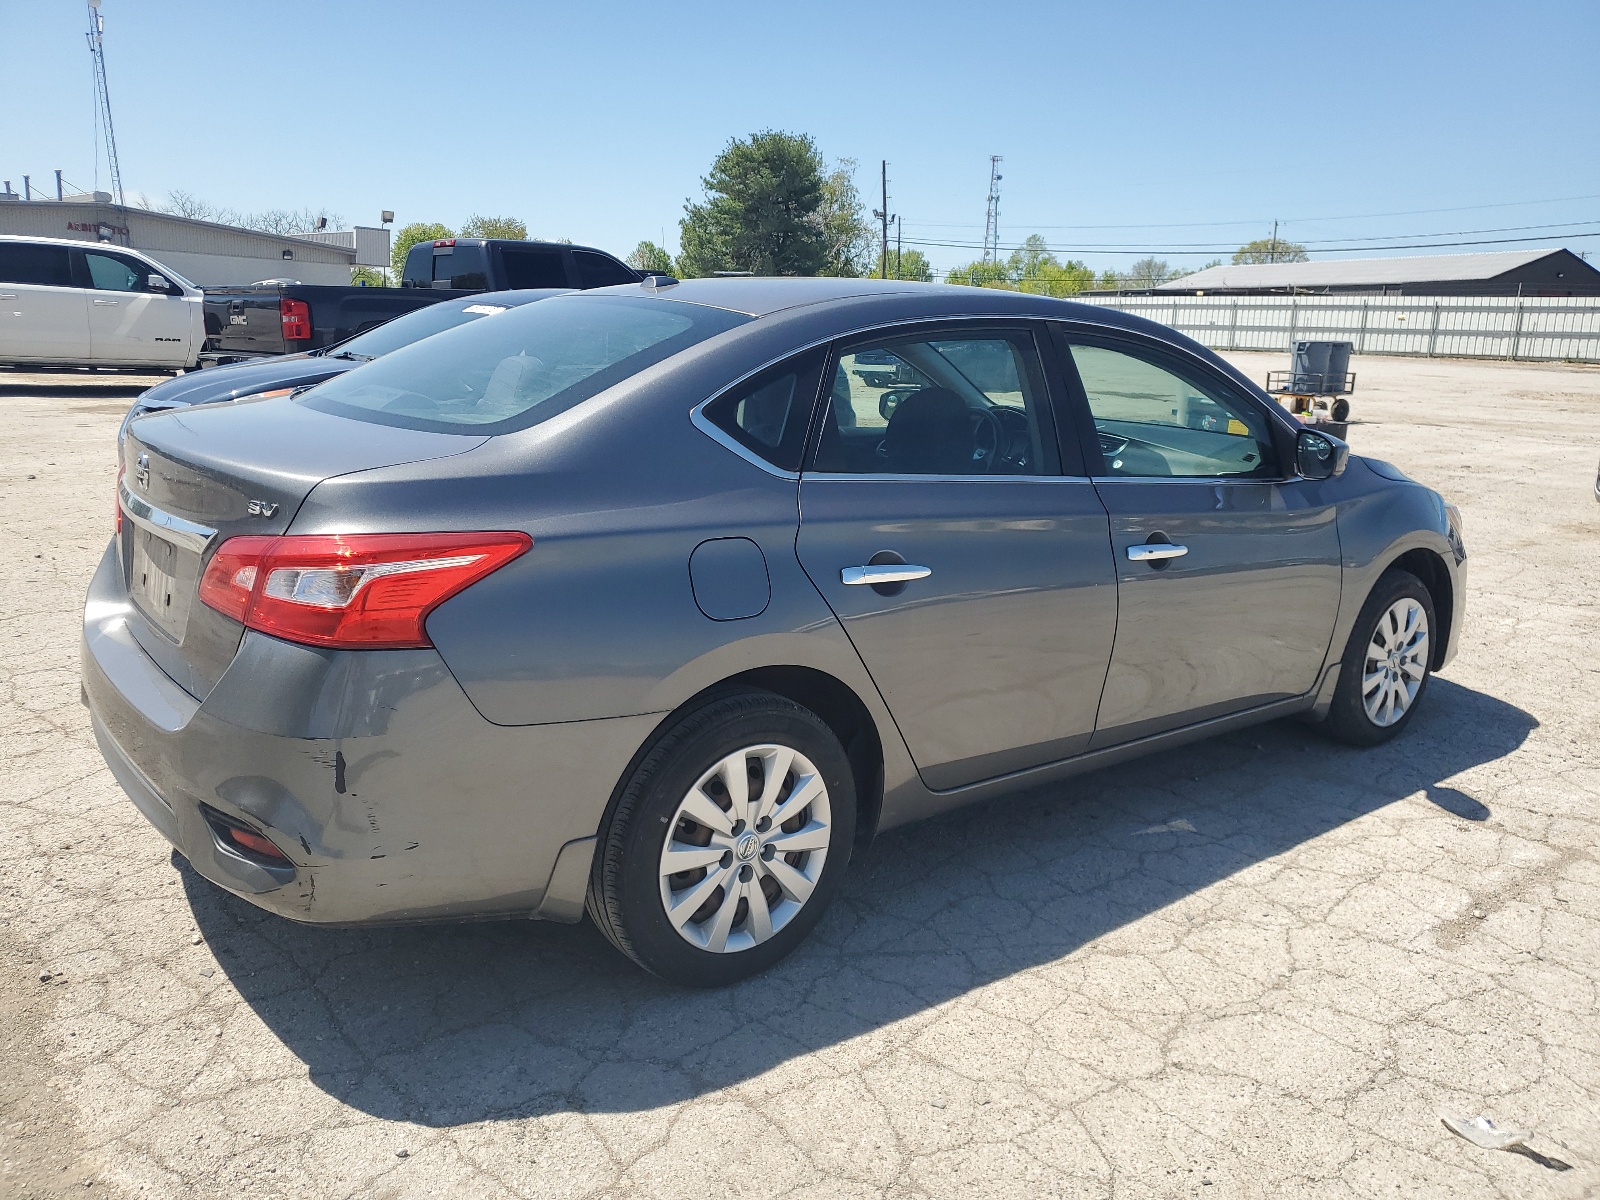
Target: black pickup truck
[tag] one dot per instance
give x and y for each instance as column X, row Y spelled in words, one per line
column 263, row 319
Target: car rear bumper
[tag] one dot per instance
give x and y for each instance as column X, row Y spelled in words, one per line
column 391, row 797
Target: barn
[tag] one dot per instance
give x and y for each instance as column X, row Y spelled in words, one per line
column 1496, row 273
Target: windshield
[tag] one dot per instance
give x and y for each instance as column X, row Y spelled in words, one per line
column 416, row 325
column 521, row 368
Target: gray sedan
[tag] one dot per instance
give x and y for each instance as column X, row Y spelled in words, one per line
column 659, row 601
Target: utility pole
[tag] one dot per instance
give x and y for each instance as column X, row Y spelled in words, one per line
column 1272, row 247
column 102, row 96
column 991, row 225
column 897, row 249
column 883, row 216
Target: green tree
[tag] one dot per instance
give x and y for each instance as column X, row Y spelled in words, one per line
column 371, row 276
column 1110, row 281
column 410, row 235
column 494, row 227
column 1269, row 250
column 647, row 256
column 905, row 264
column 764, row 211
column 852, row 239
column 981, row 274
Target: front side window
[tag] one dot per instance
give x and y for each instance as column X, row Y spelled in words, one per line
column 770, row 414
column 520, row 368
column 533, row 268
column 41, row 266
column 596, row 270
column 109, row 274
column 940, row 405
column 1153, row 421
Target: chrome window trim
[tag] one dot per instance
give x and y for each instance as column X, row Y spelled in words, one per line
column 706, row 426
column 887, row 477
column 147, row 516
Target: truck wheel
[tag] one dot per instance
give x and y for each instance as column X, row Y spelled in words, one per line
column 728, row 842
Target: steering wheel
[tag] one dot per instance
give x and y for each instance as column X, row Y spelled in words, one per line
column 988, row 436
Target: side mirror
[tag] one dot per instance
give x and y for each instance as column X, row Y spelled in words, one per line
column 1320, row 455
column 158, row 283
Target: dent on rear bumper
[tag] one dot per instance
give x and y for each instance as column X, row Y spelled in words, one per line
column 371, row 771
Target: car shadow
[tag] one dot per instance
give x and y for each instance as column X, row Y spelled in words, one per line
column 448, row 1024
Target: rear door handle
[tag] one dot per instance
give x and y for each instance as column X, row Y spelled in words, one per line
column 1155, row 551
column 105, row 302
column 885, row 573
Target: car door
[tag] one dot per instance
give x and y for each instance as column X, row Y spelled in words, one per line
column 43, row 318
column 130, row 321
column 1227, row 562
column 971, row 572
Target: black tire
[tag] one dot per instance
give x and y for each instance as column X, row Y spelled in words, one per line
column 1340, row 410
column 1348, row 720
column 625, row 898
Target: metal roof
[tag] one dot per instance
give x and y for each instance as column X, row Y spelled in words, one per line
column 1357, row 272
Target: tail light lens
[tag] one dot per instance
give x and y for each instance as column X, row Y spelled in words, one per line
column 296, row 319
column 369, row 591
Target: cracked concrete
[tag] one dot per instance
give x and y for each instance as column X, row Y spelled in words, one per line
column 1253, row 967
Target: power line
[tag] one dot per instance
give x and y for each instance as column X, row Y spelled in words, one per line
column 1229, row 249
column 1258, row 221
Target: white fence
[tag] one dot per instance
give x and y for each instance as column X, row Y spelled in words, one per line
column 1444, row 326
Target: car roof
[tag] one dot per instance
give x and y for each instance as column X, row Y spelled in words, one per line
column 511, row 297
column 758, row 296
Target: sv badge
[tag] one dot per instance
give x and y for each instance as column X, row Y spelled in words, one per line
column 262, row 508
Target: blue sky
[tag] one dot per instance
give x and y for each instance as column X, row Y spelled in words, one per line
column 1147, row 126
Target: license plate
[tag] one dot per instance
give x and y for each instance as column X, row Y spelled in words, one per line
column 162, row 582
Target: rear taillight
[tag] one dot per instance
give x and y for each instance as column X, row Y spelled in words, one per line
column 296, row 319
column 369, row 591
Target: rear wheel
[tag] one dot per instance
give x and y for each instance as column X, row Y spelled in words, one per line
column 728, row 841
column 1386, row 664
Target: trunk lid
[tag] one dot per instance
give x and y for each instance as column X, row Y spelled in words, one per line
column 245, row 320
column 195, row 477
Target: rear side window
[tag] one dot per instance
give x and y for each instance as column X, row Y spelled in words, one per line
column 770, row 414
column 596, row 270
column 42, row 266
column 419, row 265
column 520, row 368
column 533, row 269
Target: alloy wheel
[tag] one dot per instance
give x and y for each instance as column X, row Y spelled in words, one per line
column 1397, row 662
column 746, row 848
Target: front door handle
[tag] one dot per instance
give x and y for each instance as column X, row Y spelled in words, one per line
column 884, row 573
column 1155, row 551
column 105, row 301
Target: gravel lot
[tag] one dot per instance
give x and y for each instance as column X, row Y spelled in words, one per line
column 1256, row 967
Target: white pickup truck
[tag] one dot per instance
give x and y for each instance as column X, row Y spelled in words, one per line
column 84, row 304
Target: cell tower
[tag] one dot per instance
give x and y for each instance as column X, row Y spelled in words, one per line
column 104, row 130
column 991, row 227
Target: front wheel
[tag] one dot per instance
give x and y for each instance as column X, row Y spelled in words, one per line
column 727, row 843
column 1387, row 662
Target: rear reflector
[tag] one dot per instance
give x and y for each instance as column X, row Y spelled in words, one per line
column 367, row 591
column 243, row 840
column 296, row 316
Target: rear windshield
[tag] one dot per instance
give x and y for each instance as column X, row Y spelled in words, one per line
column 521, row 368
column 424, row 322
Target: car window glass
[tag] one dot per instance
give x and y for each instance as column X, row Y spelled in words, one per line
column 946, row 405
column 462, row 267
column 596, row 270
column 42, row 266
column 534, row 269
column 113, row 274
column 519, row 367
column 1153, row 422
column 769, row 415
column 414, row 326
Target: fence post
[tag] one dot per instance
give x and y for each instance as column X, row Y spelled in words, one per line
column 1516, row 332
column 1294, row 322
column 1433, row 332
column 1361, row 334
